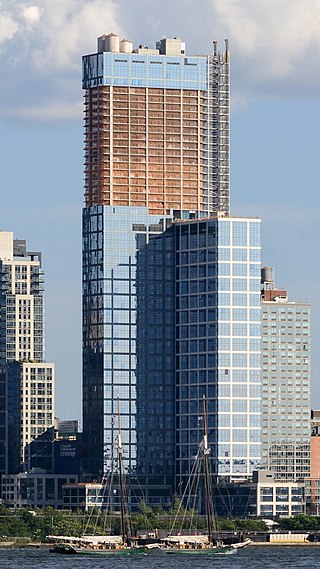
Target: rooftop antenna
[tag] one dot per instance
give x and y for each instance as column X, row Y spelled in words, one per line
column 214, row 48
column 227, row 51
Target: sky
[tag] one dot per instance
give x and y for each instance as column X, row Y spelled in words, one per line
column 275, row 120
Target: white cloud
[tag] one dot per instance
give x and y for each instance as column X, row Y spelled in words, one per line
column 70, row 28
column 8, row 27
column 275, row 45
column 31, row 14
column 275, row 35
column 41, row 50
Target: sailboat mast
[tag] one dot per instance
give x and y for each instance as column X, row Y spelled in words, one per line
column 121, row 485
column 207, row 485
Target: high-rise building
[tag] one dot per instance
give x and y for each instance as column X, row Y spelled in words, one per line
column 165, row 269
column 128, row 345
column 285, row 382
column 28, row 382
column 156, row 127
column 218, row 343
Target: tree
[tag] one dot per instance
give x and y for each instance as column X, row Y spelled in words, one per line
column 299, row 523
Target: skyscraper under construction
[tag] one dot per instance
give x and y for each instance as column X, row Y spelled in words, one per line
column 160, row 257
column 156, row 127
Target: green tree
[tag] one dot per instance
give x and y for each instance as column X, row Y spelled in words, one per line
column 299, row 523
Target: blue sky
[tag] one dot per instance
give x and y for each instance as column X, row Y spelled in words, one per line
column 275, row 60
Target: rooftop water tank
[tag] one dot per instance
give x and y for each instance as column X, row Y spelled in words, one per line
column 267, row 274
column 102, row 43
column 112, row 43
column 126, row 46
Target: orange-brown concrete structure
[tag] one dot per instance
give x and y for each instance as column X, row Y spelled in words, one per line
column 144, row 147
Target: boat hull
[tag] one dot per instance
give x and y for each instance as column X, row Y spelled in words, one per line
column 69, row 550
column 204, row 551
column 117, row 552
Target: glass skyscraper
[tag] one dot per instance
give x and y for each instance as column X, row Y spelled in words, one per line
column 128, row 344
column 218, row 343
column 171, row 308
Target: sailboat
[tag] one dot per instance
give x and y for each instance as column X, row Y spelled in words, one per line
column 104, row 544
column 210, row 543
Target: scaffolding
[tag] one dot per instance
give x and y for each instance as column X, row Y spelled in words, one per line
column 217, row 134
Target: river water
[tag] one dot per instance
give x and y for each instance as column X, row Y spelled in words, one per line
column 276, row 557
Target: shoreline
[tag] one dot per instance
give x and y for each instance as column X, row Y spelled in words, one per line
column 31, row 545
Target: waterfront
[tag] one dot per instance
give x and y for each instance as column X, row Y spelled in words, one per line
column 254, row 557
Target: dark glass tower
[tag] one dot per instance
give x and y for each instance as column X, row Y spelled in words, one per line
column 128, row 346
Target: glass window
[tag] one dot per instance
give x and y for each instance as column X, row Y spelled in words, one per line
column 239, row 360
column 224, row 329
column 224, row 360
column 239, row 406
column 254, row 269
column 239, row 390
column 239, row 420
column 239, row 269
column 255, row 314
column 224, row 299
column 239, row 329
column 254, row 285
column 239, row 436
column 224, row 435
column 223, row 284
column 255, row 345
column 239, row 344
column 239, row 314
column 239, row 450
column 255, row 406
column 239, row 254
column 223, row 343
column 224, row 254
column 239, row 299
column 121, row 272
column 224, row 390
column 255, row 450
column 255, row 391
column 254, row 299
column 239, row 284
column 224, row 405
column 239, row 375
column 224, row 232
column 254, row 234
column 254, row 420
column 224, row 420
column 254, row 255
column 255, row 435
column 239, row 233
column 254, row 329
column 223, row 313
column 121, row 301
column 224, row 268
